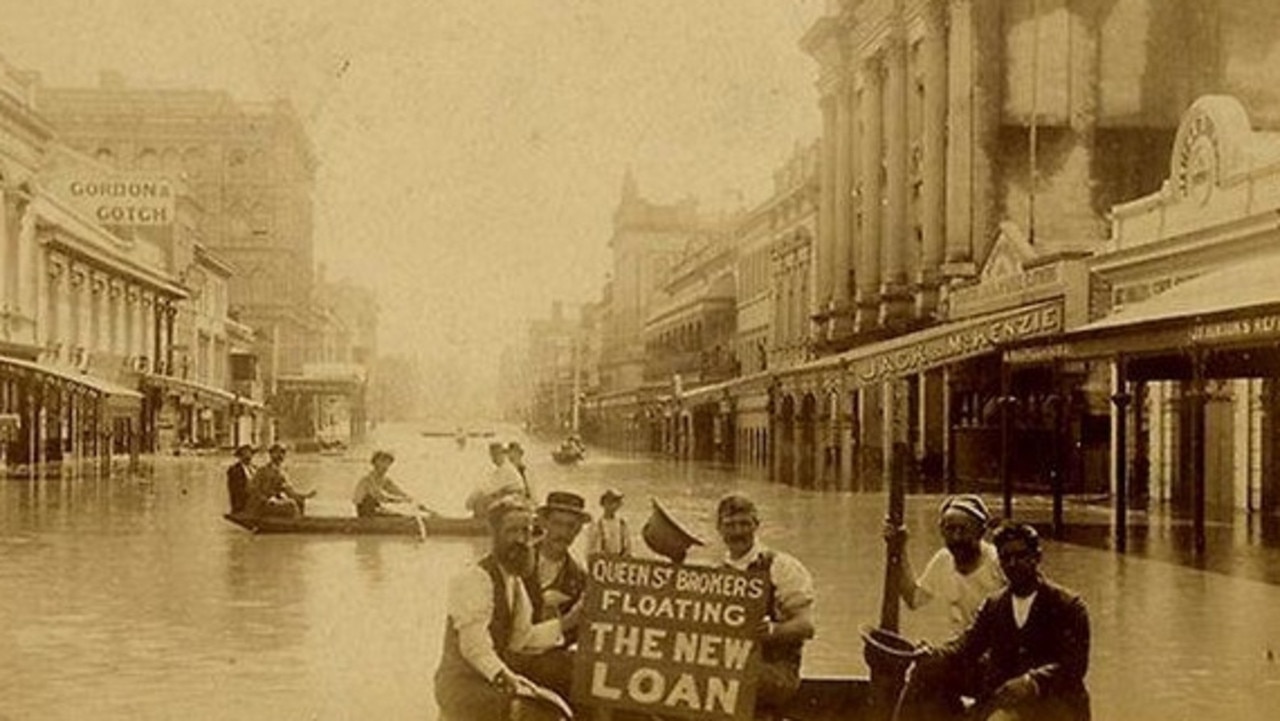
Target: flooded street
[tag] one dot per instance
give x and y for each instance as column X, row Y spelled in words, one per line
column 130, row 598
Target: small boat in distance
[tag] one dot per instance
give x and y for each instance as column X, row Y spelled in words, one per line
column 386, row 525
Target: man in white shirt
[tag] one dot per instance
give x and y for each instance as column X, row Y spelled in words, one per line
column 788, row 623
column 492, row 646
column 1035, row 637
column 503, row 480
column 964, row 572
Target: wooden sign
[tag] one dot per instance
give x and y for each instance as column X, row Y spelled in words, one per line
column 669, row 640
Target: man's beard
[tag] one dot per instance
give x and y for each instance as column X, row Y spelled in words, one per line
column 516, row 558
column 964, row 553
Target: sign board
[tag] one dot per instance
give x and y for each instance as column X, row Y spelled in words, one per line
column 962, row 340
column 119, row 198
column 669, row 640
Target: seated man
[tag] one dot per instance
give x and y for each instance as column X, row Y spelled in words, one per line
column 490, row 636
column 503, row 480
column 1037, row 635
column 271, row 494
column 790, row 601
column 560, row 578
column 239, row 474
column 375, row 489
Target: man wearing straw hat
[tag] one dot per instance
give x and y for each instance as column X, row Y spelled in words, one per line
column 790, row 597
column 964, row 571
column 561, row 579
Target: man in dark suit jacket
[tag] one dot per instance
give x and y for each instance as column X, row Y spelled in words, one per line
column 1031, row 641
column 238, row 475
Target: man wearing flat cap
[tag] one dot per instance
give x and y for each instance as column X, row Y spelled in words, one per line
column 789, row 600
column 964, row 571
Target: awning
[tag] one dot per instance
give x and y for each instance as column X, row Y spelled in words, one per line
column 203, row 391
column 1233, row 307
column 115, row 395
column 951, row 342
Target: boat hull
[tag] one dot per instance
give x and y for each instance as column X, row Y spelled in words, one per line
column 386, row 525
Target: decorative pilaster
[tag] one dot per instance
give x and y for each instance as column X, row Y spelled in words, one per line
column 959, row 261
column 827, row 209
column 839, row 270
column 934, row 168
column 870, row 196
column 895, row 295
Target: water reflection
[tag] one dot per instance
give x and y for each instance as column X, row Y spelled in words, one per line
column 130, row 598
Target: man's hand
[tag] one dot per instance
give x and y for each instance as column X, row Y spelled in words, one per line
column 554, row 598
column 1016, row 690
column 894, row 534
column 569, row 620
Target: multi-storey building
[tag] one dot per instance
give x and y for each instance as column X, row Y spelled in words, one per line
column 691, row 342
column 648, row 239
column 85, row 311
column 251, row 170
column 970, row 152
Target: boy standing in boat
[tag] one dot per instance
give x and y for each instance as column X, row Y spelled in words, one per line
column 609, row 535
column 375, row 489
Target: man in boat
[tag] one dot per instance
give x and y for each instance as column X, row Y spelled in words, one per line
column 560, row 578
column 238, row 476
column 515, row 454
column 271, row 493
column 961, row 574
column 375, row 488
column 503, row 480
column 790, row 597
column 490, row 633
column 1036, row 634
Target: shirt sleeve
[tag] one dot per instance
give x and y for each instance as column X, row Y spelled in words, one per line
column 793, row 585
column 930, row 583
column 470, row 606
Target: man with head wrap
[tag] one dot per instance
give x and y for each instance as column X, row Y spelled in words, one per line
column 964, row 571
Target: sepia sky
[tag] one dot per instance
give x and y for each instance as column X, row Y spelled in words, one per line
column 471, row 151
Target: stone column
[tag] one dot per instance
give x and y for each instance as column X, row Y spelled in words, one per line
column 868, row 241
column 827, row 216
column 933, row 192
column 960, row 141
column 7, row 242
column 843, row 201
column 893, row 288
column 66, row 332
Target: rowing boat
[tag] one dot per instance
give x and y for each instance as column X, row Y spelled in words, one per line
column 384, row 525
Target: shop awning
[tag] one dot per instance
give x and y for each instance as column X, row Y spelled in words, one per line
column 115, row 395
column 1233, row 307
column 205, row 392
column 951, row 342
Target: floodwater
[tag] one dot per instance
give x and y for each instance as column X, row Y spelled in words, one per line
column 130, row 598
